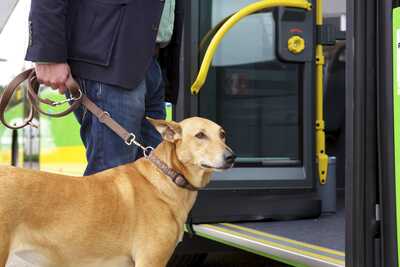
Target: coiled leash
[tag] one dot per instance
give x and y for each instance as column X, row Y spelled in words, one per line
column 78, row 98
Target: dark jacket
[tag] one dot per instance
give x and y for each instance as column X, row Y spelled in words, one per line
column 111, row 41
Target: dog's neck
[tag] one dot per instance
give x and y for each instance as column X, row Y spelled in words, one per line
column 196, row 176
column 173, row 193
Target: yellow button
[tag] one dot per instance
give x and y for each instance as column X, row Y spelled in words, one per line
column 296, row 44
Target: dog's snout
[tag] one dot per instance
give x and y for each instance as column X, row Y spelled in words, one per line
column 229, row 157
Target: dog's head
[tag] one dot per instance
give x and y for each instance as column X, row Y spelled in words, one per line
column 200, row 143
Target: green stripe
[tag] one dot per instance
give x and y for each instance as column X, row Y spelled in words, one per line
column 323, row 252
column 277, row 245
column 263, row 254
column 396, row 115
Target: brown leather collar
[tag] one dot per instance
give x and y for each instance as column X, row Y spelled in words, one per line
column 176, row 177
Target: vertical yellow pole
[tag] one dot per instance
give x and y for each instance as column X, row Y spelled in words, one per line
column 322, row 157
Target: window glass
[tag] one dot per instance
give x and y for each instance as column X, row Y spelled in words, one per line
column 249, row 91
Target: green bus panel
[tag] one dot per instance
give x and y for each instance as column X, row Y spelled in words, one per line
column 396, row 110
column 13, row 116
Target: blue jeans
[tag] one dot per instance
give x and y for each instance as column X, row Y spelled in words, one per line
column 105, row 149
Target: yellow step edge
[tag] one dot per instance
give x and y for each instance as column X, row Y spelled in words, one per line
column 307, row 245
column 299, row 251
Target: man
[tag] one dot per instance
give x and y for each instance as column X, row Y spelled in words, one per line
column 111, row 48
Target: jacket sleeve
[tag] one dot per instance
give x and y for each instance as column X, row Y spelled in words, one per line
column 47, row 31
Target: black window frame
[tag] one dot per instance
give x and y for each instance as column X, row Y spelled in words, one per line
column 297, row 177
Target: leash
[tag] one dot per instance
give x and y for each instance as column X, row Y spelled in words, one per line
column 78, row 98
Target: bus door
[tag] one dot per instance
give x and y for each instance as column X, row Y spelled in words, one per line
column 263, row 95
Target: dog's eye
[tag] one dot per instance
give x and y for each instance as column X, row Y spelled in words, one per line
column 201, row 135
column 222, row 135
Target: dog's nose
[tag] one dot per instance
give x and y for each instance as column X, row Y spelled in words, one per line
column 229, row 157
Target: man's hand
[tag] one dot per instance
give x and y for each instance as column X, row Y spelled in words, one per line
column 54, row 75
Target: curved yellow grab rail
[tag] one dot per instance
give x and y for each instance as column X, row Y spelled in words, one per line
column 248, row 10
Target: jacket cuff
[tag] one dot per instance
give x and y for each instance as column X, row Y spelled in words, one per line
column 47, row 39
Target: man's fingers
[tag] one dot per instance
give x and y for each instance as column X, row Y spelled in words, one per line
column 61, row 84
column 41, row 79
column 54, row 84
column 44, row 82
column 47, row 81
column 62, row 89
column 54, row 75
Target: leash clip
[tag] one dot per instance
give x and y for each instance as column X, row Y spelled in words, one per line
column 131, row 139
column 147, row 151
column 72, row 98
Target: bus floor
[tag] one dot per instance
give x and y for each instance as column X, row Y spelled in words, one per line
column 313, row 242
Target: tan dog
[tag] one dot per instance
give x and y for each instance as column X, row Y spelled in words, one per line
column 132, row 215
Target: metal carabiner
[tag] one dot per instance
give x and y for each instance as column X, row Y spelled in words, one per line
column 147, row 151
column 131, row 139
column 72, row 98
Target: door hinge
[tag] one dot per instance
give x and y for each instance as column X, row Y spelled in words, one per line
column 377, row 213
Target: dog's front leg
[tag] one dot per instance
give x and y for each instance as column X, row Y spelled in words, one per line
column 4, row 253
column 149, row 258
column 4, row 248
column 151, row 262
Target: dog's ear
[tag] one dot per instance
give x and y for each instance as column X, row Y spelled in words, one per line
column 169, row 130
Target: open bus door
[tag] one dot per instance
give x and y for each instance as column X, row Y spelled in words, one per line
column 372, row 146
column 263, row 94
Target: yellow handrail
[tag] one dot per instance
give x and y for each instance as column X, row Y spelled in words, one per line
column 248, row 10
column 322, row 157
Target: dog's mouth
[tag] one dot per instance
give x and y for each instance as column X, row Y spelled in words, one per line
column 225, row 167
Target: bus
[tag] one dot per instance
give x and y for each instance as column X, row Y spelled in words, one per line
column 304, row 191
